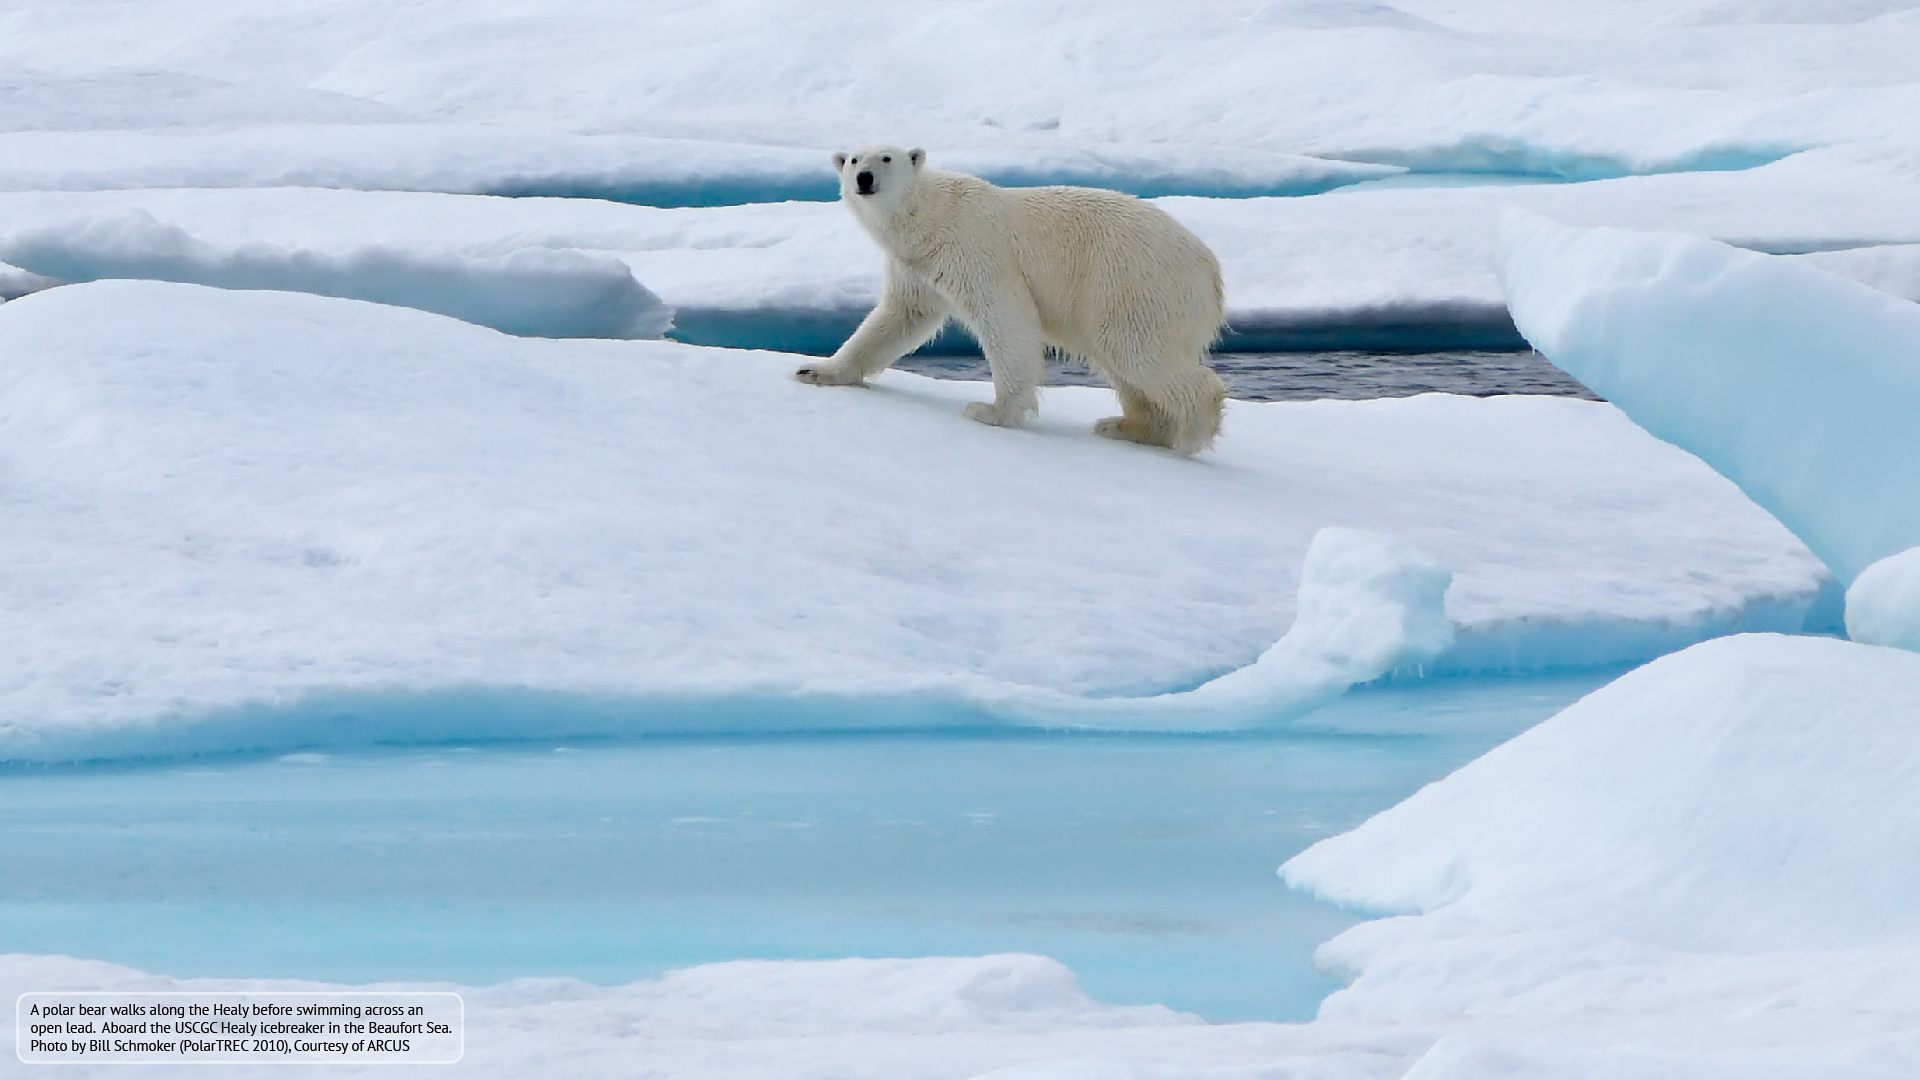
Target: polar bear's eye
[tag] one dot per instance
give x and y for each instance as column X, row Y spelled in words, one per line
column 888, row 160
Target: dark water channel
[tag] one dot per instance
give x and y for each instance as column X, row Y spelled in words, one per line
column 1301, row 376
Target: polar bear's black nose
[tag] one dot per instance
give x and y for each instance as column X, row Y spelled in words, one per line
column 865, row 180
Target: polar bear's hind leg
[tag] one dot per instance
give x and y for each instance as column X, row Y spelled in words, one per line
column 1196, row 409
column 1177, row 407
column 1139, row 421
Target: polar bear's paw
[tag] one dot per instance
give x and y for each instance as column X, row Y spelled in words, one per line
column 828, row 375
column 1126, row 429
column 998, row 415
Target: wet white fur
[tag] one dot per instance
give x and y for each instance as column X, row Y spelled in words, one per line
column 1096, row 274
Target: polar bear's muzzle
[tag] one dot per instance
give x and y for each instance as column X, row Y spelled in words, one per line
column 863, row 183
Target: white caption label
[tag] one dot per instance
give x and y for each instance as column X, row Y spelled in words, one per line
column 295, row 1027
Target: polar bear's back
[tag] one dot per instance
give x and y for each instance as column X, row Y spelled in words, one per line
column 1102, row 262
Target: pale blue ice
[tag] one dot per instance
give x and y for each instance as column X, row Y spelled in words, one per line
column 1145, row 863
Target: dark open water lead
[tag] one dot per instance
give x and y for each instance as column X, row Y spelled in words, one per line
column 1304, row 376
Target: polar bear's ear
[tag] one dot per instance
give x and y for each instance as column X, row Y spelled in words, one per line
column 917, row 156
column 839, row 161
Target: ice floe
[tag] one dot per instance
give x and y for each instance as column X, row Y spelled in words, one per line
column 1702, row 869
column 1797, row 384
column 227, row 501
column 531, row 291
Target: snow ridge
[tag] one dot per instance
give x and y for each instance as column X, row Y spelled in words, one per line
column 532, row 292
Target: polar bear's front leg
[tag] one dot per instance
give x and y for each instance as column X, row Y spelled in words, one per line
column 1009, row 333
column 908, row 314
column 833, row 371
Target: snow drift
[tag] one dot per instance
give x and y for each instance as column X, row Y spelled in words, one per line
column 1883, row 604
column 1798, row 385
column 1367, row 606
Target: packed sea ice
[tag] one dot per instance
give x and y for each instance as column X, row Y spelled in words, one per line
column 1214, row 87
column 798, row 275
column 1425, row 119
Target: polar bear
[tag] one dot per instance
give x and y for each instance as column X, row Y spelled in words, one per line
column 1095, row 274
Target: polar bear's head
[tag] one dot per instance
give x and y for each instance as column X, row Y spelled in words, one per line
column 878, row 174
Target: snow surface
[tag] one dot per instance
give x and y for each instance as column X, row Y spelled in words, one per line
column 1798, row 385
column 1891, row 268
column 1557, row 89
column 1712, row 875
column 1883, row 604
column 222, row 502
